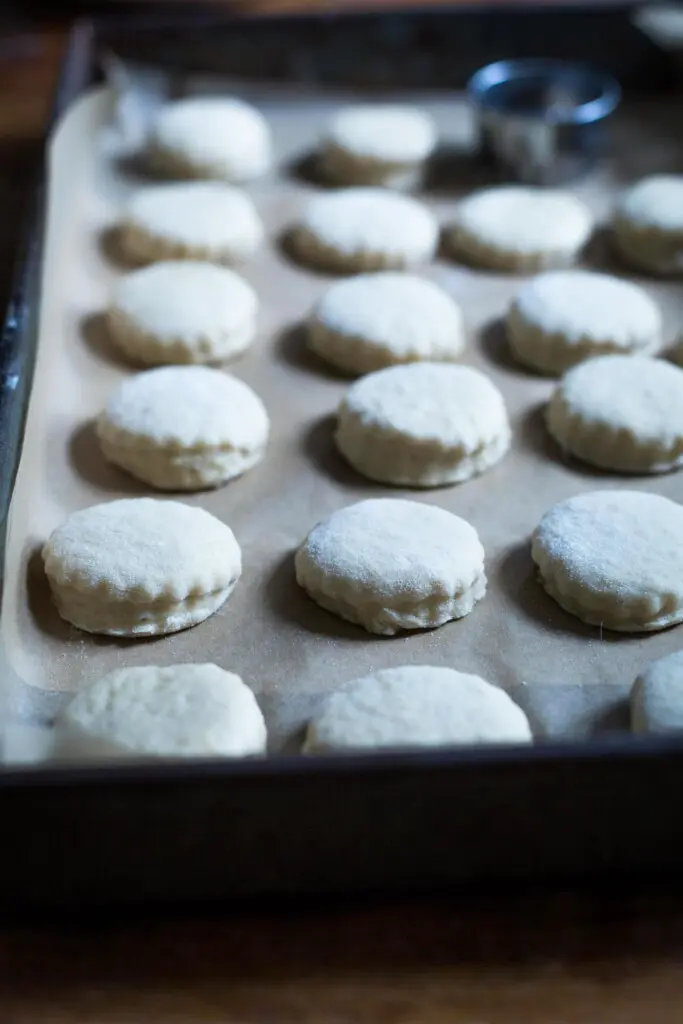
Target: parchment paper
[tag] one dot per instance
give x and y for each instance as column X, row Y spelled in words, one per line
column 571, row 678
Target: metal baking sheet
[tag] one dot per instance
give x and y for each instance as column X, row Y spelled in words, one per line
column 572, row 679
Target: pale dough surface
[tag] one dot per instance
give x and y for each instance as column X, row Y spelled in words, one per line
column 657, row 696
column 147, row 711
column 520, row 228
column 181, row 311
column 623, row 413
column 648, row 224
column 614, row 559
column 141, row 567
column 423, row 425
column 184, row 427
column 365, row 229
column 370, row 321
column 374, row 142
column 198, row 220
column 389, row 564
column 416, row 706
column 562, row 317
column 210, row 137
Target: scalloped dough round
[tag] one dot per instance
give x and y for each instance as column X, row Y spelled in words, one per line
column 377, row 144
column 210, row 137
column 415, row 706
column 518, row 228
column 614, row 559
column 389, row 565
column 371, row 321
column 656, row 697
column 423, row 425
column 623, row 413
column 365, row 229
column 196, row 220
column 184, row 428
column 141, row 567
column 648, row 224
column 563, row 317
column 182, row 311
column 151, row 712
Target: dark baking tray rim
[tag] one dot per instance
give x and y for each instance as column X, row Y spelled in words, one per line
column 206, row 830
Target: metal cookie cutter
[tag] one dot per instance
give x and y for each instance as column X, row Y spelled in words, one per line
column 542, row 121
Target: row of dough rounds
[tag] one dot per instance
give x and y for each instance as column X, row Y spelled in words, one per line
column 204, row 711
column 509, row 228
column 174, row 565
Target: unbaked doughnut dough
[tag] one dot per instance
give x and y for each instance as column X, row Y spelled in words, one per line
column 657, row 696
column 423, row 425
column 182, row 312
column 389, row 564
column 415, row 706
column 648, row 224
column 520, row 228
column 365, row 229
column 184, row 428
column 377, row 144
column 178, row 711
column 623, row 413
column 141, row 567
column 370, row 321
column 563, row 317
column 197, row 220
column 614, row 559
column 210, row 137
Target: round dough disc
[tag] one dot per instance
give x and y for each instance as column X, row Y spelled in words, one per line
column 365, row 229
column 370, row 321
column 178, row 711
column 389, row 564
column 561, row 318
column 141, row 567
column 210, row 137
column 197, row 220
column 184, row 427
column 657, row 696
column 182, row 312
column 648, row 224
column 623, row 413
column 416, row 706
column 520, row 228
column 423, row 425
column 374, row 143
column 614, row 559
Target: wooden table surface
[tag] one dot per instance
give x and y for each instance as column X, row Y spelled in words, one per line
column 568, row 958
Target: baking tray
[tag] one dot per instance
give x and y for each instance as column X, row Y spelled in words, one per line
column 293, row 825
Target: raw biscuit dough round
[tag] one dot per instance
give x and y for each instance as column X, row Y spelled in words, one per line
column 423, row 425
column 150, row 712
column 563, row 317
column 377, row 144
column 622, row 413
column 520, row 228
column 415, row 706
column 365, row 229
column 183, row 428
column 371, row 321
column 141, row 567
column 210, row 137
column 648, row 224
column 614, row 559
column 390, row 565
column 656, row 697
column 181, row 311
column 196, row 220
